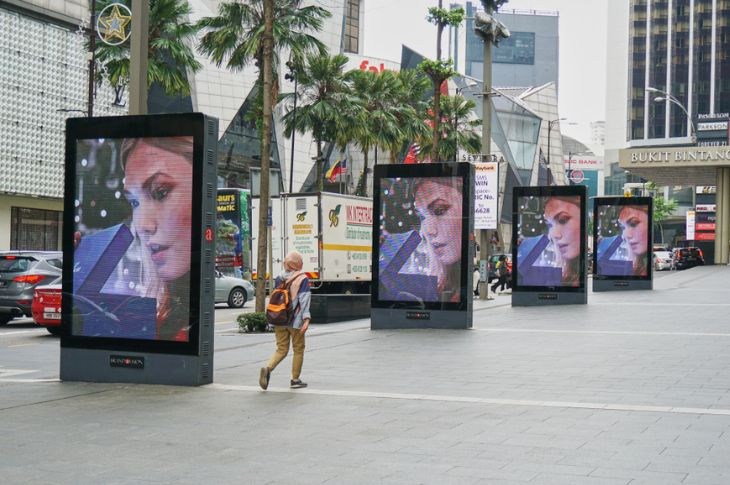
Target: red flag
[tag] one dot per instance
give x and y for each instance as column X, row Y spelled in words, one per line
column 412, row 155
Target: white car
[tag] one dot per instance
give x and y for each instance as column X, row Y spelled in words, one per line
column 662, row 260
column 234, row 291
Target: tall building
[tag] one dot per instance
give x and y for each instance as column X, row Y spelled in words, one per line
column 529, row 57
column 675, row 128
column 678, row 47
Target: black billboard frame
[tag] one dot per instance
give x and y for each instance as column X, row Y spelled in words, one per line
column 625, row 282
column 392, row 314
column 530, row 295
column 88, row 358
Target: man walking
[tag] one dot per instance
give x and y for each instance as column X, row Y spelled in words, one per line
column 300, row 298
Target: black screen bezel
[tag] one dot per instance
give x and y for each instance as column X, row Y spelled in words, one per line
column 426, row 170
column 167, row 125
column 564, row 191
column 612, row 201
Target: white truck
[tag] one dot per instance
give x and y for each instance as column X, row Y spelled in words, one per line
column 332, row 232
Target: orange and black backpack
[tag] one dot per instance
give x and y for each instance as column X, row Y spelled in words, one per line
column 279, row 311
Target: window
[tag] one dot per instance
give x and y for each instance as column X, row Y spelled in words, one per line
column 35, row 229
column 352, row 26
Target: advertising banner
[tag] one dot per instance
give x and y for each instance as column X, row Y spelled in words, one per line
column 486, row 195
column 690, row 226
column 233, row 232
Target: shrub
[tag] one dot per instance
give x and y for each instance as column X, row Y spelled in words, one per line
column 252, row 322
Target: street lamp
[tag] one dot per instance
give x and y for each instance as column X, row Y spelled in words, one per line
column 665, row 96
column 291, row 76
column 550, row 129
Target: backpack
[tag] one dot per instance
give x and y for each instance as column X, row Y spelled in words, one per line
column 502, row 269
column 279, row 311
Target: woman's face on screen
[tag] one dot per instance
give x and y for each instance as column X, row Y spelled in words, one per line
column 158, row 186
column 439, row 208
column 563, row 220
column 634, row 229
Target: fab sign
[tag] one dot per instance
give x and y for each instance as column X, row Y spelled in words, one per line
column 364, row 66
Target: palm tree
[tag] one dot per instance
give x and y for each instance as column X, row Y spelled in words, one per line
column 170, row 53
column 412, row 86
column 459, row 129
column 325, row 102
column 379, row 123
column 256, row 31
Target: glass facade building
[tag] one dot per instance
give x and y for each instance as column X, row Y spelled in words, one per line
column 529, row 57
column 677, row 46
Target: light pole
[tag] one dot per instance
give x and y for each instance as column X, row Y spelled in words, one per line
column 291, row 76
column 570, row 171
column 550, row 129
column 665, row 96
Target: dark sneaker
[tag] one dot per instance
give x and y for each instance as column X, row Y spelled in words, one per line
column 264, row 378
column 298, row 384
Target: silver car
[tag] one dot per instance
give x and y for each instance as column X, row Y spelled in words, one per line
column 234, row 291
column 20, row 273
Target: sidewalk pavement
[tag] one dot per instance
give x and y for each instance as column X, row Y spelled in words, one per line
column 632, row 388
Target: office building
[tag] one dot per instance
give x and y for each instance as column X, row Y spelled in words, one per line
column 529, row 57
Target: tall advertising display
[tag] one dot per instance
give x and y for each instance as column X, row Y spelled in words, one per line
column 423, row 218
column 549, row 246
column 139, row 249
column 622, row 239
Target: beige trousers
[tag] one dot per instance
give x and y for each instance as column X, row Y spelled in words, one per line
column 283, row 335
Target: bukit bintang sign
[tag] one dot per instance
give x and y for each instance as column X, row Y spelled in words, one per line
column 675, row 157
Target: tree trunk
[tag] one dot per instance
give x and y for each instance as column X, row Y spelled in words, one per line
column 365, row 172
column 437, row 96
column 261, row 266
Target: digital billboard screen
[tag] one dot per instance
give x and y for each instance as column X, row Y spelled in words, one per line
column 549, row 243
column 137, row 246
column 622, row 237
column 421, row 236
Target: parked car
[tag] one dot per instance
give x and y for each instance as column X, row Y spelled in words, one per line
column 688, row 257
column 234, row 291
column 20, row 273
column 662, row 260
column 46, row 307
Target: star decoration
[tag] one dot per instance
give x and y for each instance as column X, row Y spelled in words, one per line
column 115, row 24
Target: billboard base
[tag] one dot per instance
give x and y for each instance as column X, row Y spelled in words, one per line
column 540, row 298
column 399, row 318
column 96, row 365
column 622, row 285
column 328, row 308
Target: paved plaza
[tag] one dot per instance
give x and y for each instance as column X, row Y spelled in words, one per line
column 632, row 388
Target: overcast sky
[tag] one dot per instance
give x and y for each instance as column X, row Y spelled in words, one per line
column 582, row 99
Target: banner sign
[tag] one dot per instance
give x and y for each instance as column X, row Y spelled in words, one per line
column 486, row 195
column 690, row 225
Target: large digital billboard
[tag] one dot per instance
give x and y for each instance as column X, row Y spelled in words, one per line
column 139, row 232
column 421, row 234
column 622, row 235
column 549, row 239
